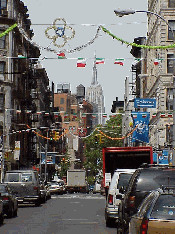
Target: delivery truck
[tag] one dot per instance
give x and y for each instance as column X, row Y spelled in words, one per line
column 76, row 181
column 123, row 158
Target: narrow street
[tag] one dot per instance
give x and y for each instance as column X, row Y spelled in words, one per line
column 70, row 213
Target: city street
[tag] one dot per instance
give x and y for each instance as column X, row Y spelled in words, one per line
column 69, row 213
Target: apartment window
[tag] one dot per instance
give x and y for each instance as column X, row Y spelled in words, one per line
column 62, row 101
column 1, row 102
column 72, row 111
column 170, row 62
column 2, row 42
column 169, row 99
column 171, row 3
column 3, row 3
column 169, row 133
column 170, row 33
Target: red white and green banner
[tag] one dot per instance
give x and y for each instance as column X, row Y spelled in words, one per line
column 170, row 114
column 61, row 55
column 84, row 115
column 157, row 61
column 154, row 115
column 104, row 115
column 100, row 60
column 81, row 62
column 47, row 113
column 94, row 116
column 74, row 115
column 162, row 115
column 119, row 61
column 65, row 115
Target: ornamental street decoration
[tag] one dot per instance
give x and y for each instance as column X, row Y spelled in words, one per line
column 59, row 32
column 141, row 120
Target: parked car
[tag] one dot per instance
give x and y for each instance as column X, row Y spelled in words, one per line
column 142, row 182
column 120, row 180
column 10, row 202
column 156, row 213
column 1, row 212
column 25, row 184
column 54, row 187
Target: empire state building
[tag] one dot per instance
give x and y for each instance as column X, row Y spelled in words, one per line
column 94, row 94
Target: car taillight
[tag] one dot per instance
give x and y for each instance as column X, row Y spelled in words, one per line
column 144, row 226
column 5, row 198
column 110, row 199
column 35, row 188
column 131, row 201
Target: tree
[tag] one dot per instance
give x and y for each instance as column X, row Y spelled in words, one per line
column 97, row 141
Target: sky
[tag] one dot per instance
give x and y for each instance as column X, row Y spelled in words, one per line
column 84, row 17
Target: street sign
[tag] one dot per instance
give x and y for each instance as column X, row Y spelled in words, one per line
column 145, row 102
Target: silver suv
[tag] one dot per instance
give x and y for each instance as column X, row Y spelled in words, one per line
column 25, row 184
column 116, row 190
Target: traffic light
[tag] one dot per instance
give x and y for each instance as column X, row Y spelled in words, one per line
column 57, row 136
column 101, row 139
column 96, row 139
column 52, row 135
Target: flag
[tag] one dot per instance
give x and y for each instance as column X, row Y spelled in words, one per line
column 74, row 115
column 100, row 60
column 154, row 115
column 65, row 115
column 47, row 113
column 119, row 61
column 105, row 115
column 18, row 111
column 81, row 62
column 170, row 115
column 39, row 112
column 83, row 115
column 61, row 56
column 162, row 115
column 144, row 116
column 134, row 116
column 94, row 116
column 157, row 61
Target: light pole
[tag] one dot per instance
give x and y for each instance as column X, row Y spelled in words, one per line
column 121, row 13
column 46, row 145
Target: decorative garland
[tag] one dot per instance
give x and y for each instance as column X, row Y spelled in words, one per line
column 134, row 44
column 8, row 30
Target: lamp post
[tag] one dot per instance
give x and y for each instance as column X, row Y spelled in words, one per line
column 121, row 13
column 46, row 146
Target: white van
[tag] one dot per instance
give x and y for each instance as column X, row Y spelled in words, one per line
column 118, row 185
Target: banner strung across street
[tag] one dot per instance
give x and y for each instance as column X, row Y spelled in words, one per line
column 141, row 120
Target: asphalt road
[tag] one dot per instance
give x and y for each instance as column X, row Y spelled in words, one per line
column 67, row 214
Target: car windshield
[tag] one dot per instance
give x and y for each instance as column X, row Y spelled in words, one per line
column 153, row 179
column 26, row 177
column 12, row 177
column 2, row 189
column 123, row 180
column 164, row 208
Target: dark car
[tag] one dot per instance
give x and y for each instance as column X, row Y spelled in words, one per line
column 156, row 214
column 25, row 184
column 144, row 180
column 10, row 202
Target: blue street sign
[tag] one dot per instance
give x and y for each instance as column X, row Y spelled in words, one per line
column 145, row 102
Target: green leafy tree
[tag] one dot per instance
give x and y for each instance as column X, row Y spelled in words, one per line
column 97, row 141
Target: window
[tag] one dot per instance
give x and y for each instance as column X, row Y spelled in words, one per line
column 170, row 63
column 2, row 42
column 72, row 111
column 62, row 101
column 169, row 99
column 171, row 3
column 1, row 102
column 3, row 3
column 170, row 33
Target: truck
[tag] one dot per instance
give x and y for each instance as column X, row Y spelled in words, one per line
column 123, row 158
column 76, row 181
